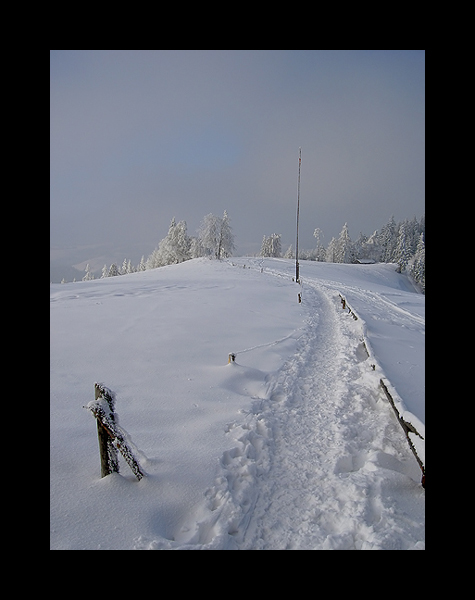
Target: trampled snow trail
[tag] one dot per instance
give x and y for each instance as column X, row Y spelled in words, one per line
column 320, row 462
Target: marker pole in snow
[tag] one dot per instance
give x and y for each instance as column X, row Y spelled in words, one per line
column 298, row 208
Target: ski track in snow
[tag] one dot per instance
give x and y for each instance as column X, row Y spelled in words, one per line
column 320, row 461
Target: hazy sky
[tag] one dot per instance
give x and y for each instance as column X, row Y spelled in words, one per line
column 139, row 137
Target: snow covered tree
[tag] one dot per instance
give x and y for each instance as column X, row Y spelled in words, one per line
column 141, row 266
column 181, row 243
column 331, row 253
column 402, row 252
column 208, row 235
column 372, row 249
column 388, row 239
column 172, row 249
column 344, row 247
column 289, row 253
column 271, row 246
column 417, row 267
column 226, row 245
column 88, row 276
column 113, row 271
column 215, row 236
column 196, row 248
column 320, row 249
column 105, row 272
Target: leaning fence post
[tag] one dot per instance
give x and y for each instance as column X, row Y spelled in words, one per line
column 110, row 435
column 107, row 451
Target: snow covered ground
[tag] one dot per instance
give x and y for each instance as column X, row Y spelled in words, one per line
column 292, row 446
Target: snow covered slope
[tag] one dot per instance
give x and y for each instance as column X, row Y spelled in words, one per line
column 292, row 446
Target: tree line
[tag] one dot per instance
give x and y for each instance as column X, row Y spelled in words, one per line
column 402, row 243
column 214, row 240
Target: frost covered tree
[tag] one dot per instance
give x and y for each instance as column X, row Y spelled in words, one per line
column 271, row 246
column 196, row 248
column 113, row 271
column 208, row 235
column 417, row 267
column 172, row 249
column 226, row 245
column 289, row 253
column 387, row 240
column 215, row 236
column 105, row 272
column 181, row 243
column 320, row 249
column 371, row 248
column 88, row 276
column 344, row 247
column 141, row 266
column 331, row 253
column 402, row 252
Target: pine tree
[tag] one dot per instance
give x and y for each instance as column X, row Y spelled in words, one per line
column 344, row 247
column 226, row 245
column 264, row 247
column 289, row 253
column 275, row 245
column 271, row 246
column 331, row 253
column 402, row 252
column 113, row 271
column 172, row 249
column 88, row 276
column 181, row 243
column 372, row 249
column 320, row 249
column 418, row 264
column 208, row 235
column 105, row 272
column 387, row 240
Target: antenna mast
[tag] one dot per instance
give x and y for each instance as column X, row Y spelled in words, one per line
column 297, row 242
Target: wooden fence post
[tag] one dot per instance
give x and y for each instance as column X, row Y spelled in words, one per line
column 110, row 435
column 108, row 454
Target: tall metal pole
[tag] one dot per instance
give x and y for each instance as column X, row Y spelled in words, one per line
column 298, row 208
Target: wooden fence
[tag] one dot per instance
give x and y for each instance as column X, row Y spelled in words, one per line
column 406, row 426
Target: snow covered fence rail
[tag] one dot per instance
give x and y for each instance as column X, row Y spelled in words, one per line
column 344, row 304
column 409, row 429
column 111, row 436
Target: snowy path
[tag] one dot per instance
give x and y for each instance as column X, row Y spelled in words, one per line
column 320, row 462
